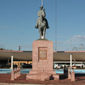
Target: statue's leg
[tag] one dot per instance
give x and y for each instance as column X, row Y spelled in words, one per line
column 37, row 23
column 40, row 33
column 44, row 30
column 47, row 26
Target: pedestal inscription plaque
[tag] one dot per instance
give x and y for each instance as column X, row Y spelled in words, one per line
column 42, row 54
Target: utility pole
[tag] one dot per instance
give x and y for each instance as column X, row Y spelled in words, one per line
column 55, row 25
column 19, row 48
column 55, row 45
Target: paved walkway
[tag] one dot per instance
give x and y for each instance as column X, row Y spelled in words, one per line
column 5, row 80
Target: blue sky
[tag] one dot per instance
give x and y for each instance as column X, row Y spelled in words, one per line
column 18, row 19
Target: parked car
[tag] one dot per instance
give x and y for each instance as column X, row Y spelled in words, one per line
column 55, row 65
column 27, row 66
column 7, row 66
column 15, row 66
column 0, row 65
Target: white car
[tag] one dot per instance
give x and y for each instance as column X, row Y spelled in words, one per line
column 55, row 65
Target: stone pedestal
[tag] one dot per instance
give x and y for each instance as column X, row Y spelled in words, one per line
column 42, row 61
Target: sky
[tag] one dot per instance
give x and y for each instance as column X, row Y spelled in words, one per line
column 66, row 20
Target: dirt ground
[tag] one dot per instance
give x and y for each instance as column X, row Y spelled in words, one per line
column 6, row 78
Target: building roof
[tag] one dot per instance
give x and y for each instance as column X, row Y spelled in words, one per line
column 57, row 55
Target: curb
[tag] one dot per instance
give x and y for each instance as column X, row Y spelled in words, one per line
column 19, row 84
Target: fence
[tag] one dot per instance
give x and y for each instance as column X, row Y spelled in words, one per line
column 15, row 73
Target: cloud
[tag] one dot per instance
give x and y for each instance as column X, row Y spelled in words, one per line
column 75, row 39
column 67, row 45
column 79, row 37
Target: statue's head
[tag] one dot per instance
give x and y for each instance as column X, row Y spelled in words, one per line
column 41, row 7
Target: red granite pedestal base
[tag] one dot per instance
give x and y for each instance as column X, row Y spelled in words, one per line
column 42, row 61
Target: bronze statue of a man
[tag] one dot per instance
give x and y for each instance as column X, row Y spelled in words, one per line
column 42, row 23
